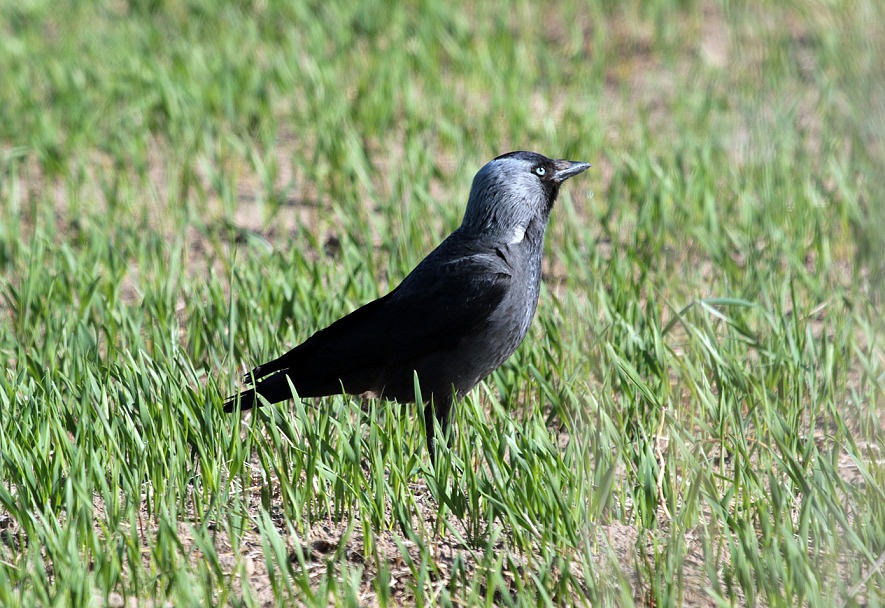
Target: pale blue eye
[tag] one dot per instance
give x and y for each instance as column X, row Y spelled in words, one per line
column 540, row 171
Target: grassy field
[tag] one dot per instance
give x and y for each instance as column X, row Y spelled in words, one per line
column 190, row 187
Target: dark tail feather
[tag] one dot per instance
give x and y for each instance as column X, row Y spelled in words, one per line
column 280, row 363
column 247, row 401
column 274, row 389
column 257, row 372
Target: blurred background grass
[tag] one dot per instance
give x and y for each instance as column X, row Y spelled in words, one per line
column 696, row 417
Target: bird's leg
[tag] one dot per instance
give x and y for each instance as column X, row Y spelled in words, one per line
column 441, row 411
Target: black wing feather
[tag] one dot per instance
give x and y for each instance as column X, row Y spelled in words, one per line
column 430, row 311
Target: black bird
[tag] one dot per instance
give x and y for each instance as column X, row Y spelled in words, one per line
column 453, row 320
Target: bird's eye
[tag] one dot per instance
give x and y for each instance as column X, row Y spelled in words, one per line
column 540, row 171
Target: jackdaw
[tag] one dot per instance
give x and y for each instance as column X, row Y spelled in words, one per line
column 452, row 321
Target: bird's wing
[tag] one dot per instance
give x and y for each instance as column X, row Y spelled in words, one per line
column 432, row 309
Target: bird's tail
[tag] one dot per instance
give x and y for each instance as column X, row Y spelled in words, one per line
column 274, row 389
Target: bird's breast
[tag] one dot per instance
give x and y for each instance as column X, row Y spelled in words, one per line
column 510, row 322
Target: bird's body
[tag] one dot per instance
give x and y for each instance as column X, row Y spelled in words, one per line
column 453, row 320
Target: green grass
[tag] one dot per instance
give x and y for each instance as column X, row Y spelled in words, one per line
column 696, row 417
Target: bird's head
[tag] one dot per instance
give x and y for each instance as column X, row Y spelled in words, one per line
column 514, row 191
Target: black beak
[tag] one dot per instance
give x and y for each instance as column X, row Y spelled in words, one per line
column 567, row 168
